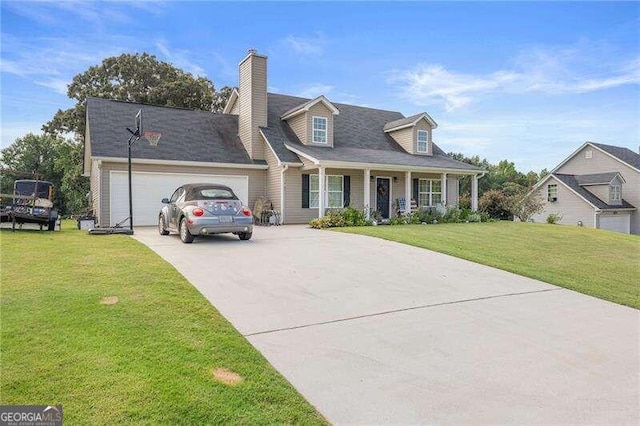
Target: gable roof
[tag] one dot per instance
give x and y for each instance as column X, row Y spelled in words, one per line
column 624, row 155
column 598, row 178
column 621, row 153
column 358, row 137
column 409, row 121
column 299, row 109
column 187, row 135
column 232, row 100
column 571, row 182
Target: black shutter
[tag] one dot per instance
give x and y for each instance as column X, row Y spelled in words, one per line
column 305, row 191
column 346, row 197
column 415, row 191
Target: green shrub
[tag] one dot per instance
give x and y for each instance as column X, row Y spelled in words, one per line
column 339, row 218
column 554, row 218
column 476, row 217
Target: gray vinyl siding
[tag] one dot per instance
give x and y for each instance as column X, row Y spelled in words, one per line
column 602, row 163
column 257, row 180
column 572, row 207
column 600, row 191
column 273, row 177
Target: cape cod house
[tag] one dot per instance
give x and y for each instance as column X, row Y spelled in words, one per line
column 304, row 155
column 597, row 186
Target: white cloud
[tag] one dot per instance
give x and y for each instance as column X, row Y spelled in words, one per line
column 315, row 90
column 57, row 84
column 308, row 46
column 180, row 58
column 551, row 71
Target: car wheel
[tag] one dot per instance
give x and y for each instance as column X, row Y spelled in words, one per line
column 185, row 235
column 161, row 229
column 245, row 235
column 52, row 225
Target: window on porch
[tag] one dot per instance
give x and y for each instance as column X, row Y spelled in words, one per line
column 334, row 185
column 429, row 192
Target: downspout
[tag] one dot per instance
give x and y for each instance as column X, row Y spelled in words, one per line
column 282, row 172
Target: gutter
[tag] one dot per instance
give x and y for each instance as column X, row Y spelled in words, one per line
column 282, row 172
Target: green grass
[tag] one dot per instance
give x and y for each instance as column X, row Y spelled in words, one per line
column 599, row 263
column 146, row 359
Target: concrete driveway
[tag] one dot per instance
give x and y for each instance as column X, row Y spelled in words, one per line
column 371, row 331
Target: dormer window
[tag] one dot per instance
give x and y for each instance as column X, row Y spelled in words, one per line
column 615, row 193
column 319, row 130
column 423, row 141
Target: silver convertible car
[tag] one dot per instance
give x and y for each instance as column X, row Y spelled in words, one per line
column 204, row 209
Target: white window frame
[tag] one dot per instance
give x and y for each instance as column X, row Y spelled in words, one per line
column 616, row 193
column 326, row 192
column 555, row 190
column 429, row 193
column 426, row 146
column 325, row 130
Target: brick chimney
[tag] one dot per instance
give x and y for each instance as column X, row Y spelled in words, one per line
column 252, row 102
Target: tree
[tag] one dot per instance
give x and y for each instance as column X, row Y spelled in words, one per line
column 220, row 99
column 33, row 156
column 525, row 205
column 134, row 78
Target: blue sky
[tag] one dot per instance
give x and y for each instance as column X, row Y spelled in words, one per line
column 529, row 82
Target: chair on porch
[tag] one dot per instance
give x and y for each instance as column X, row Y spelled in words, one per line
column 402, row 206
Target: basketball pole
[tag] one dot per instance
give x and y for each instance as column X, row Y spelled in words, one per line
column 134, row 137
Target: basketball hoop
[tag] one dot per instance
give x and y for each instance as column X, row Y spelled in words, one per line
column 152, row 137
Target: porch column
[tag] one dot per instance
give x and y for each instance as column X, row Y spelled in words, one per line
column 321, row 189
column 444, row 189
column 367, row 193
column 407, row 192
column 474, row 193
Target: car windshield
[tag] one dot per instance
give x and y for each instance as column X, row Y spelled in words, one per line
column 28, row 188
column 212, row 194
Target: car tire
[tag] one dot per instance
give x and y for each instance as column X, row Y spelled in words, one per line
column 185, row 235
column 161, row 229
column 245, row 235
column 52, row 225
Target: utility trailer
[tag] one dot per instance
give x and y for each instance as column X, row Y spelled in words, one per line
column 31, row 202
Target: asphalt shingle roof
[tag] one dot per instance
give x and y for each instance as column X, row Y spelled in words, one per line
column 401, row 122
column 571, row 182
column 623, row 154
column 358, row 137
column 187, row 135
column 596, row 178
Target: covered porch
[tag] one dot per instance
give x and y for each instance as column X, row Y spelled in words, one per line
column 385, row 190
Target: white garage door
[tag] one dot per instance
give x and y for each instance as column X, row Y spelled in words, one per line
column 617, row 223
column 150, row 188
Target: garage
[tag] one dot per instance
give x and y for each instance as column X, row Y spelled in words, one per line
column 149, row 188
column 617, row 222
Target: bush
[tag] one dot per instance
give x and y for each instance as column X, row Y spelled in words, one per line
column 496, row 204
column 336, row 219
column 554, row 218
column 464, row 202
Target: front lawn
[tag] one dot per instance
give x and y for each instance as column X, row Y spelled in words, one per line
column 105, row 327
column 599, row 263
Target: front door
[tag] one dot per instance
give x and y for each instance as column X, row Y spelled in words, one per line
column 383, row 196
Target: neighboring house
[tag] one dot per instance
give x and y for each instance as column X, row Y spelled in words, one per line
column 305, row 156
column 598, row 186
